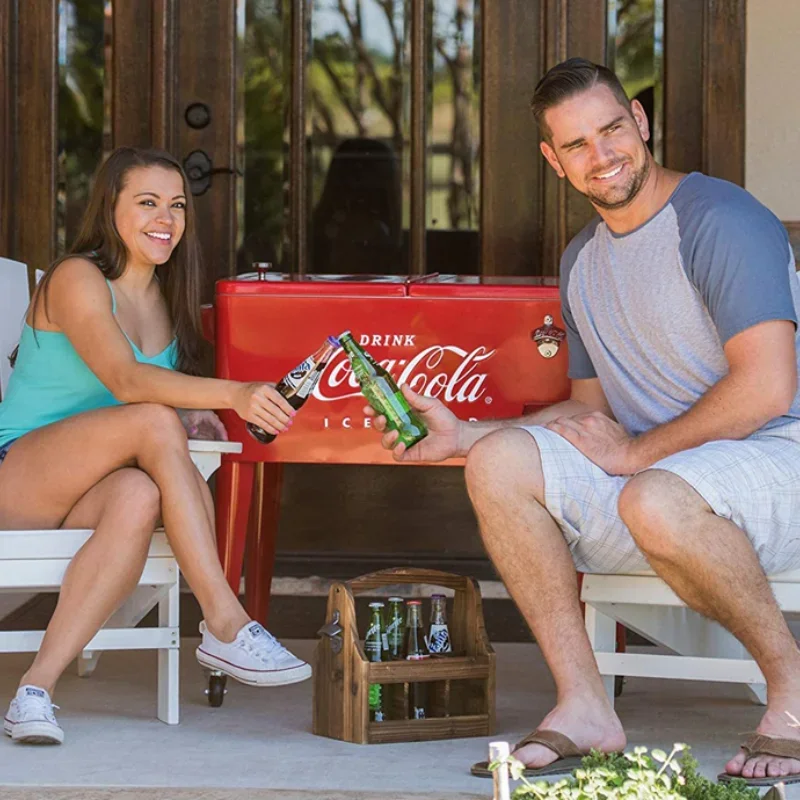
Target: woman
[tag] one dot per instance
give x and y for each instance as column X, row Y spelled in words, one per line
column 90, row 437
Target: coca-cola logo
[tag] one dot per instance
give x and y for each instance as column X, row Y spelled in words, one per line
column 448, row 372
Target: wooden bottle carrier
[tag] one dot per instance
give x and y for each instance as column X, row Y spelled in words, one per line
column 460, row 687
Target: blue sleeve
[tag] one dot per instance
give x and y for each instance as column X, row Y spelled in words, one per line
column 736, row 253
column 580, row 364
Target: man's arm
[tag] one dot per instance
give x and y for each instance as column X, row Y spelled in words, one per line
column 586, row 395
column 761, row 384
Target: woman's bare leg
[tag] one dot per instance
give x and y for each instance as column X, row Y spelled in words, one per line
column 123, row 510
column 188, row 521
column 49, row 470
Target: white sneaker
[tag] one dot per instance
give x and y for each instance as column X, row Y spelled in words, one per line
column 254, row 657
column 30, row 718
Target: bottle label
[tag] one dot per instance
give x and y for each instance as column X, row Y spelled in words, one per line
column 385, row 641
column 394, row 632
column 293, row 378
column 388, row 401
column 418, row 713
column 439, row 639
column 374, row 640
column 307, row 386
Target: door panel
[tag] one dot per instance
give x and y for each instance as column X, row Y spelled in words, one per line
column 205, row 73
column 34, row 158
column 484, row 201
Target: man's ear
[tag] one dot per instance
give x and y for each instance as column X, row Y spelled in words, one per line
column 640, row 117
column 552, row 158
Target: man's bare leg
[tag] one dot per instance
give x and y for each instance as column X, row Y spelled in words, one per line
column 711, row 565
column 504, row 478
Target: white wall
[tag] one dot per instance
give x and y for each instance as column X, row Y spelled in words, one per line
column 772, row 143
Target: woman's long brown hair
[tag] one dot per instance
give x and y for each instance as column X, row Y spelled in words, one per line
column 99, row 241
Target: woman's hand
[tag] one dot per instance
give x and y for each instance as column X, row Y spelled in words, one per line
column 260, row 404
column 443, row 439
column 203, row 425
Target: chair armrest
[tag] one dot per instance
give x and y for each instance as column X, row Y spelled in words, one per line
column 207, row 454
column 210, row 446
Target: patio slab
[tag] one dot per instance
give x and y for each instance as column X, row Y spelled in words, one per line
column 57, row 793
column 261, row 738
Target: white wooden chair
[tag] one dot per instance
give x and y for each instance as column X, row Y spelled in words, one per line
column 35, row 561
column 700, row 649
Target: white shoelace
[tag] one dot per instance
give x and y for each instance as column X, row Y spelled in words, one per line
column 263, row 647
column 31, row 706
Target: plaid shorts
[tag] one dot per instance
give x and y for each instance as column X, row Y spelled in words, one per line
column 753, row 482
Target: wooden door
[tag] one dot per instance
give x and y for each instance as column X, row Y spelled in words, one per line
column 256, row 97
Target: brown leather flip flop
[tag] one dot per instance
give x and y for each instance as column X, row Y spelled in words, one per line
column 569, row 755
column 758, row 744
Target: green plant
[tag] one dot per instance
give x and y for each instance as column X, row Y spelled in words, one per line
column 631, row 776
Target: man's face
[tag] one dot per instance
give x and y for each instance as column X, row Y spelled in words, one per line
column 599, row 146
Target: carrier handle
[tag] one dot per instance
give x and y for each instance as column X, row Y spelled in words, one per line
column 387, row 577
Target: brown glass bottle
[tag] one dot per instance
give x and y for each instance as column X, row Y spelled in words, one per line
column 296, row 386
column 415, row 650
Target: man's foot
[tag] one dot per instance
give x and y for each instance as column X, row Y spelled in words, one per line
column 590, row 723
column 774, row 723
column 254, row 657
column 30, row 718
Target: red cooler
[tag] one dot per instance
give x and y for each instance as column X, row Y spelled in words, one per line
column 488, row 348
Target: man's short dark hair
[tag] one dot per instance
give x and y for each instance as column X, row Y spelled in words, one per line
column 569, row 78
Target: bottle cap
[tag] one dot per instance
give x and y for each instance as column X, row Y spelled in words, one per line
column 333, row 341
column 414, row 603
column 435, row 596
column 376, row 605
column 343, row 334
column 396, row 600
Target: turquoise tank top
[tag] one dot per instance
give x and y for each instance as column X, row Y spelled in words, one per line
column 51, row 382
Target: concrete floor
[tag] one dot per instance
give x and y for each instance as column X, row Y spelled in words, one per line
column 261, row 739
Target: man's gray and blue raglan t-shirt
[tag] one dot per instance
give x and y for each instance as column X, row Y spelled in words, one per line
column 648, row 312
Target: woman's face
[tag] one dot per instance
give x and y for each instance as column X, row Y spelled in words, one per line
column 150, row 214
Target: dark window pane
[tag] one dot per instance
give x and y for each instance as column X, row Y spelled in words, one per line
column 266, row 90
column 357, row 122
column 635, row 53
column 453, row 145
column 84, row 44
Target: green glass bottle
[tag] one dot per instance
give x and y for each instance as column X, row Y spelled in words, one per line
column 382, row 393
column 395, row 628
column 375, row 646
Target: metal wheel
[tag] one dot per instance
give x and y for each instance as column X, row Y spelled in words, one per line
column 216, row 689
column 619, row 682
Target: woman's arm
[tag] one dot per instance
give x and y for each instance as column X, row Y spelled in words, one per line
column 79, row 303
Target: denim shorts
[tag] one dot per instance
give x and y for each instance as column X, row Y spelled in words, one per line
column 4, row 449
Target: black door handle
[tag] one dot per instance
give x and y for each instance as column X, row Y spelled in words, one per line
column 199, row 168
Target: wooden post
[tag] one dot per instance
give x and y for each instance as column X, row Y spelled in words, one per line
column 500, row 751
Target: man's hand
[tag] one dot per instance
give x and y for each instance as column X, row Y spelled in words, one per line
column 600, row 439
column 203, row 425
column 444, row 427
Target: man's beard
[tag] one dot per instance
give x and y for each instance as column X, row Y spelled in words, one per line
column 620, row 196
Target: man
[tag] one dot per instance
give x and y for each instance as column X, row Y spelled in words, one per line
column 680, row 444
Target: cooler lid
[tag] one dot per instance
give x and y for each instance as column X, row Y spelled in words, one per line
column 286, row 285
column 481, row 287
